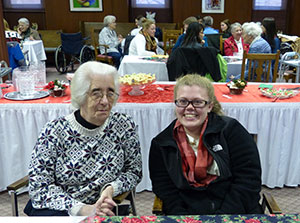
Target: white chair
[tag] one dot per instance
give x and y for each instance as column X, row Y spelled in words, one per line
column 285, row 72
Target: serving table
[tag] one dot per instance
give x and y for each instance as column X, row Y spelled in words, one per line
column 277, row 125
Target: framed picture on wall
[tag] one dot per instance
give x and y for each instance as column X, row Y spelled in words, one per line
column 86, row 5
column 213, row 6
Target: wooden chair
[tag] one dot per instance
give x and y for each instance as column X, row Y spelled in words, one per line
column 268, row 202
column 95, row 43
column 260, row 66
column 20, row 184
column 170, row 37
column 222, row 40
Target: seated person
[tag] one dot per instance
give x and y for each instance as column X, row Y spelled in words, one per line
column 208, row 22
column 225, row 27
column 204, row 163
column 194, row 35
column 108, row 36
column 145, row 43
column 252, row 36
column 84, row 159
column 158, row 31
column 138, row 22
column 234, row 45
column 186, row 24
column 268, row 26
column 25, row 31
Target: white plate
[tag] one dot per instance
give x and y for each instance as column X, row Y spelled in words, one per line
column 16, row 96
column 278, row 93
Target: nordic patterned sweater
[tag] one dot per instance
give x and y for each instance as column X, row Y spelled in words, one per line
column 70, row 164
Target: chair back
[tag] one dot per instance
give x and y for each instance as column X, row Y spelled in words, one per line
column 72, row 43
column 222, row 40
column 259, row 66
column 170, row 37
column 213, row 40
column 127, row 44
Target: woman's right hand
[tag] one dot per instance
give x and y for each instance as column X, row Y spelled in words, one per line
column 105, row 204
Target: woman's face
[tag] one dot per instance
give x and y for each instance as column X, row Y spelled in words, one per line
column 112, row 25
column 100, row 99
column 224, row 27
column 190, row 117
column 151, row 30
column 23, row 26
column 237, row 33
column 201, row 34
column 247, row 38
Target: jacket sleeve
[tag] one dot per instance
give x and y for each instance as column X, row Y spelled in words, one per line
column 162, row 185
column 243, row 196
column 227, row 48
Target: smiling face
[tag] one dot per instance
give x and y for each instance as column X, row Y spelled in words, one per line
column 96, row 109
column 192, row 118
column 237, row 33
column 224, row 27
column 23, row 26
column 151, row 30
column 112, row 25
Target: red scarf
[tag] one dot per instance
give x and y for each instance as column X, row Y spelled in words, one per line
column 194, row 168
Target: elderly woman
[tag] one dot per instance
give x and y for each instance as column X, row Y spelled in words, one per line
column 108, row 36
column 204, row 162
column 252, row 36
column 25, row 31
column 145, row 43
column 82, row 160
column 235, row 45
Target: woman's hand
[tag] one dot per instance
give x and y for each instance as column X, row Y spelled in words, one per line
column 105, row 204
column 86, row 210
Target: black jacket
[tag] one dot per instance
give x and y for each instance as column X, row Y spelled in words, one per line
column 200, row 60
column 235, row 191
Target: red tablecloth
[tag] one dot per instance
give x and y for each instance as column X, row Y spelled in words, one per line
column 164, row 93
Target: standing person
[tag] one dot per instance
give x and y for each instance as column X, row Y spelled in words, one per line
column 234, row 45
column 84, row 159
column 268, row 26
column 145, row 43
column 186, row 24
column 108, row 36
column 25, row 31
column 204, row 163
column 225, row 28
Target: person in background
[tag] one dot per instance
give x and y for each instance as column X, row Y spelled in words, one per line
column 158, row 31
column 108, row 36
column 208, row 22
column 199, row 19
column 145, row 43
column 138, row 22
column 234, row 45
column 186, row 23
column 268, row 26
column 84, row 159
column 204, row 163
column 225, row 28
column 6, row 25
column 194, row 35
column 252, row 36
column 25, row 31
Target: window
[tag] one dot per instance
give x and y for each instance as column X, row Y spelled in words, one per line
column 23, row 4
column 150, row 3
column 269, row 4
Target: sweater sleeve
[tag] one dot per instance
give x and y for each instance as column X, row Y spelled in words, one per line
column 243, row 196
column 162, row 185
column 43, row 189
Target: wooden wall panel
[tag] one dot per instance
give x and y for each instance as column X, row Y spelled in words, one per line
column 3, row 47
column 293, row 21
column 13, row 16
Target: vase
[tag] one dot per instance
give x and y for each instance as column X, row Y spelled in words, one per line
column 57, row 93
column 236, row 90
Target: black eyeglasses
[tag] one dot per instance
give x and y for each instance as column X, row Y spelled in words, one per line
column 197, row 103
column 98, row 95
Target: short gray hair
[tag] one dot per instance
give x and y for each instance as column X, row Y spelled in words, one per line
column 24, row 20
column 234, row 26
column 109, row 19
column 252, row 29
column 208, row 21
column 83, row 78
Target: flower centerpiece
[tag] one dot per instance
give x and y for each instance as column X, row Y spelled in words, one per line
column 236, row 86
column 57, row 88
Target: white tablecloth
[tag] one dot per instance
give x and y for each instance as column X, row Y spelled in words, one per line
column 133, row 64
column 276, row 124
column 36, row 51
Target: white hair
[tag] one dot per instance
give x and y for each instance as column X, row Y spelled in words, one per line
column 252, row 29
column 208, row 20
column 234, row 26
column 109, row 19
column 24, row 20
column 83, row 78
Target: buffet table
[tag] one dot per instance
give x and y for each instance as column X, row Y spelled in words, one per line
column 164, row 219
column 134, row 64
column 277, row 125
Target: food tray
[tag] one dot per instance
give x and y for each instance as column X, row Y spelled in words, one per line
column 16, row 96
column 278, row 93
